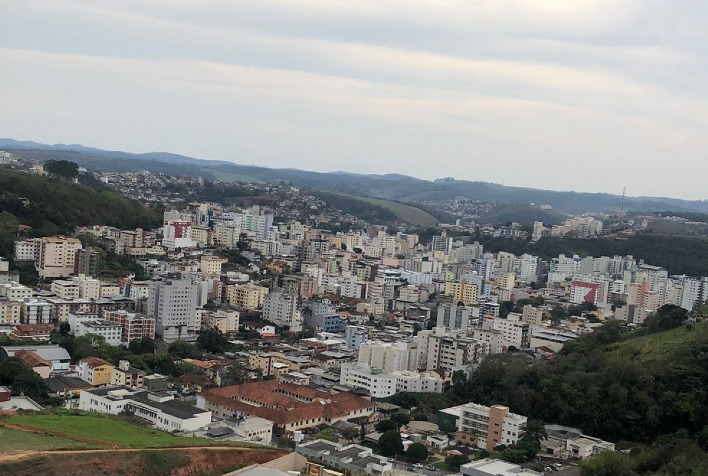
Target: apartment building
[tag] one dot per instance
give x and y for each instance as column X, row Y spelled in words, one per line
column 462, row 291
column 226, row 321
column 439, row 350
column 15, row 291
column 454, row 317
column 246, row 296
column 133, row 326
column 56, row 256
column 282, row 309
column 10, row 312
column 95, row 371
column 108, row 330
column 172, row 302
column 488, row 427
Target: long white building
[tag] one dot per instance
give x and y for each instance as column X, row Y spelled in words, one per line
column 162, row 410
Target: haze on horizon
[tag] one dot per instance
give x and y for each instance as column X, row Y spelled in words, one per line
column 583, row 95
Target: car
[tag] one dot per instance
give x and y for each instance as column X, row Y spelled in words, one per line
column 431, row 467
column 418, row 466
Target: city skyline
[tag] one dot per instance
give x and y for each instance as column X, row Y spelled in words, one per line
column 588, row 96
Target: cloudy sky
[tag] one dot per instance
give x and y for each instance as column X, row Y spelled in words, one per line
column 585, row 95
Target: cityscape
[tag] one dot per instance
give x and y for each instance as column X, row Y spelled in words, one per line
column 268, row 238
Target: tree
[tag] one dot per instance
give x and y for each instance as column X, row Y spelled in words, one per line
column 447, row 427
column 141, row 346
column 390, row 443
column 326, row 434
column 184, row 350
column 400, row 418
column 417, row 452
column 667, row 317
column 212, row 340
column 454, row 462
column 64, row 329
column 62, row 168
column 350, row 433
column 386, row 425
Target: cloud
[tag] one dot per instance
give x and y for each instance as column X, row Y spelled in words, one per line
column 523, row 92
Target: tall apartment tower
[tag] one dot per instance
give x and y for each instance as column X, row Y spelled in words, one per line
column 172, row 302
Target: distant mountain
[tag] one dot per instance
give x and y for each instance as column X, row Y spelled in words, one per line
column 397, row 187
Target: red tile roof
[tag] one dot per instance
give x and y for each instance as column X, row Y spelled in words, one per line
column 31, row 359
column 285, row 403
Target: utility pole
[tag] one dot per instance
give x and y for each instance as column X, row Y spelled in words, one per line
column 624, row 191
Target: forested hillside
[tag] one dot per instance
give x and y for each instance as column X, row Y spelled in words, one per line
column 50, row 205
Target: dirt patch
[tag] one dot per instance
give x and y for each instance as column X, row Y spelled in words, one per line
column 132, row 462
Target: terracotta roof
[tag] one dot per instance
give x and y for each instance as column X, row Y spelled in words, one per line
column 31, row 359
column 285, row 403
column 94, row 362
column 34, row 327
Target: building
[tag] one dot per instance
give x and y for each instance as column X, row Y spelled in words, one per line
column 328, row 322
column 226, row 321
column 15, row 291
column 95, row 371
column 133, row 326
column 27, row 250
column 86, row 262
column 349, row 459
column 495, row 467
column 455, row 317
column 211, row 265
column 106, row 329
column 462, row 291
column 36, row 312
column 172, row 302
column 488, row 427
column 56, row 257
column 438, row 350
column 127, row 376
column 251, row 429
column 381, row 385
column 160, row 409
column 58, row 356
column 290, row 407
column 246, row 296
column 282, row 309
column 515, row 332
column 32, row 332
column 177, row 234
column 354, row 336
column 10, row 312
column 32, row 360
column 566, row 442
column 389, row 356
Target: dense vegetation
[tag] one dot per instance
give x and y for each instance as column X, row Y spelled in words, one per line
column 679, row 255
column 520, row 213
column 51, row 205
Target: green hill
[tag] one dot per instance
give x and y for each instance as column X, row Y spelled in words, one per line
column 377, row 210
column 50, row 205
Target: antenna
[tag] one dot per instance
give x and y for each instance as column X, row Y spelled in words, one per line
column 624, row 191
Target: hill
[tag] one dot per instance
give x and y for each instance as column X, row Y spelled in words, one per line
column 520, row 213
column 51, row 205
column 377, row 210
column 389, row 186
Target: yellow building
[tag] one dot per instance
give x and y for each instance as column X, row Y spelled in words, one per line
column 95, row 371
column 246, row 296
column 462, row 291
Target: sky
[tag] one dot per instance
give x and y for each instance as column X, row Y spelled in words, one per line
column 584, row 95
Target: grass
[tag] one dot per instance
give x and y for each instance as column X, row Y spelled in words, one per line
column 407, row 213
column 105, row 428
column 230, row 177
column 15, row 440
column 655, row 347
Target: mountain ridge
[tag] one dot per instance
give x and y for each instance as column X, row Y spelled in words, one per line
column 391, row 186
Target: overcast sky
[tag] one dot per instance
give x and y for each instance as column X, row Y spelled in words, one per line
column 585, row 95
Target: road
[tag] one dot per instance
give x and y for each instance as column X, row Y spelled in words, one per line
column 423, row 472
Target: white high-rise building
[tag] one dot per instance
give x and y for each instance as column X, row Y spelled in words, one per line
column 172, row 302
column 282, row 309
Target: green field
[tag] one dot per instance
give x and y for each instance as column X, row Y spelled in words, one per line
column 654, row 347
column 13, row 440
column 230, row 177
column 104, row 428
column 407, row 213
